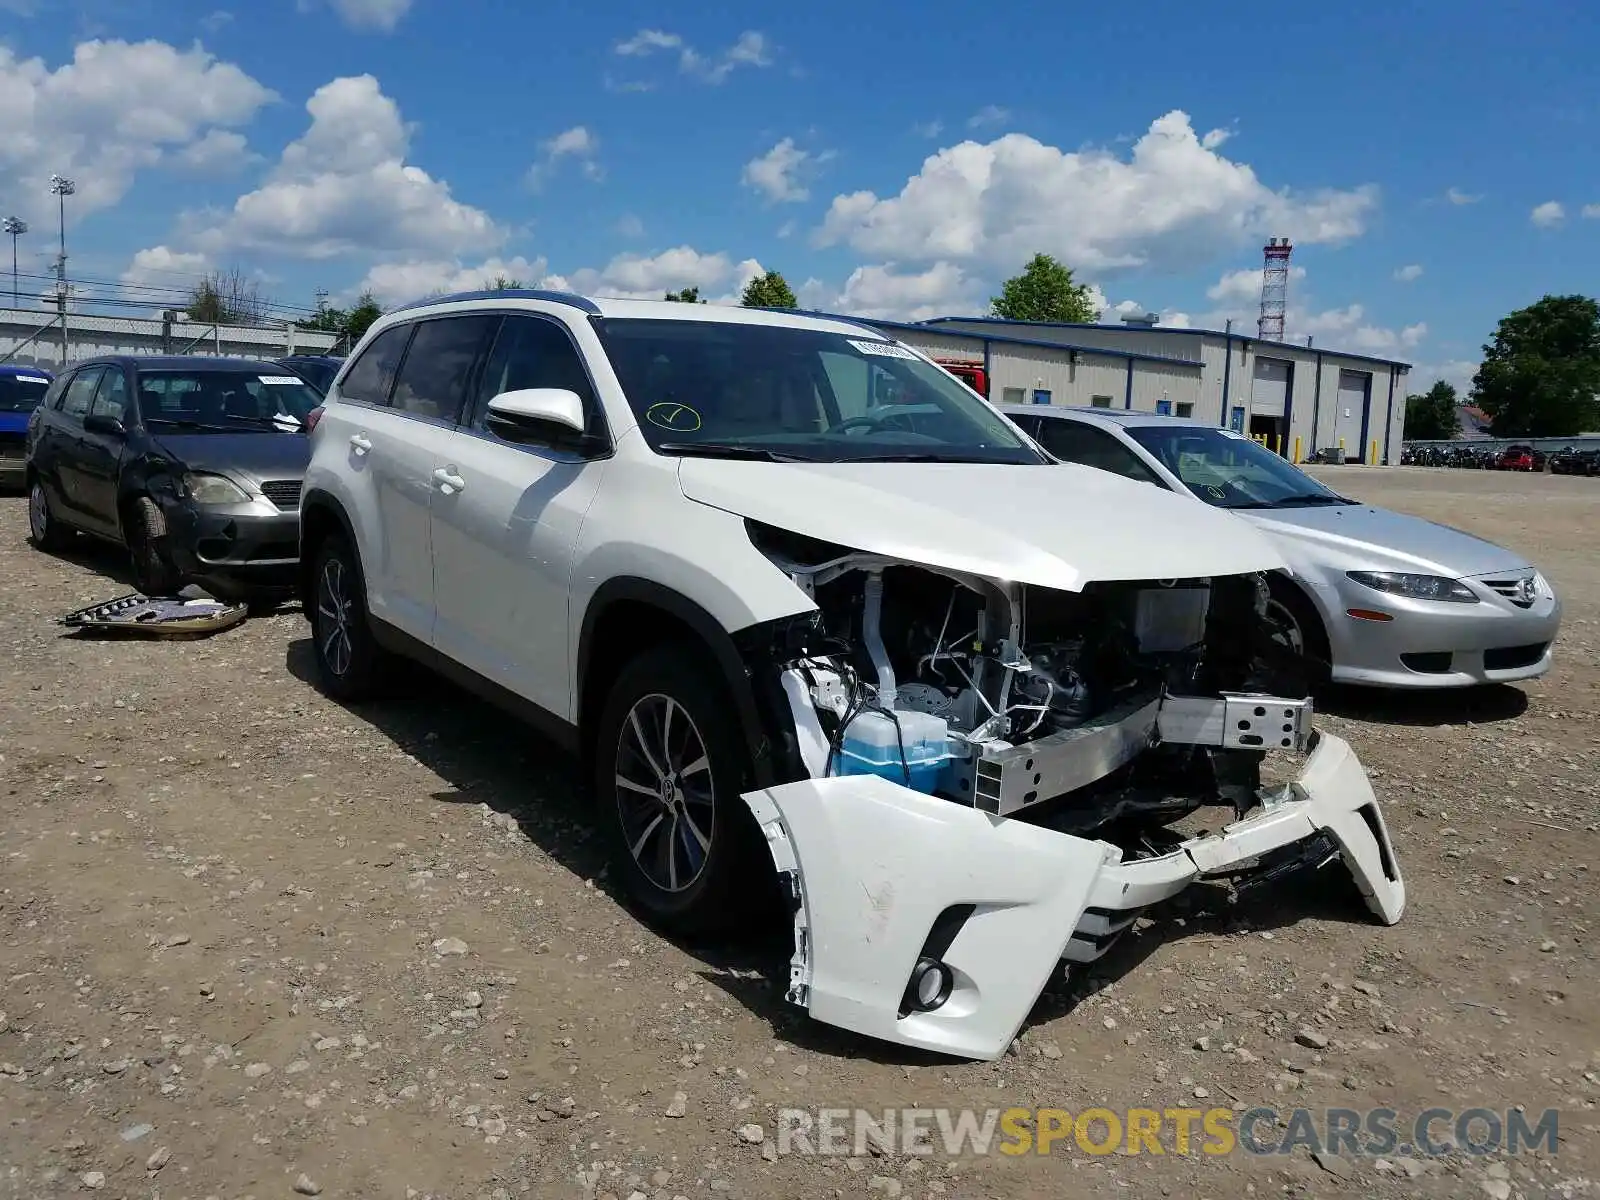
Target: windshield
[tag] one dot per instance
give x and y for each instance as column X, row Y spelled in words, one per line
column 1230, row 471
column 225, row 401
column 764, row 391
column 22, row 393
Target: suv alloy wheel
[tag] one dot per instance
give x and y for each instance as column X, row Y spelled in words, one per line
column 669, row 768
column 349, row 660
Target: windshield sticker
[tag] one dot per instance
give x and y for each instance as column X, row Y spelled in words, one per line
column 882, row 349
column 668, row 414
column 287, row 380
column 31, row 379
column 1215, row 492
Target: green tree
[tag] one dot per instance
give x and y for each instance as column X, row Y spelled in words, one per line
column 356, row 321
column 689, row 295
column 501, row 284
column 227, row 298
column 1431, row 417
column 769, row 291
column 326, row 319
column 1541, row 374
column 1044, row 292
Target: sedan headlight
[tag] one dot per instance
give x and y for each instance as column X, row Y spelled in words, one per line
column 1416, row 587
column 214, row 489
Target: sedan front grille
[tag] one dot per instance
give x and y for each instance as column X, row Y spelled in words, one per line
column 1519, row 589
column 285, row 493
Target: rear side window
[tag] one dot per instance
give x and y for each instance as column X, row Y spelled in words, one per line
column 80, row 392
column 372, row 375
column 1076, row 443
column 438, row 366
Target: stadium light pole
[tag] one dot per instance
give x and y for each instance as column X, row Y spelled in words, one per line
column 62, row 187
column 16, row 227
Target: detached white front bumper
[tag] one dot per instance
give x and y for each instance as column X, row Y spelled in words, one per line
column 884, row 877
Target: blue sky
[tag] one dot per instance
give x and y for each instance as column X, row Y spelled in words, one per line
column 1437, row 165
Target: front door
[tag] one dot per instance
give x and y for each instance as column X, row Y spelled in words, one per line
column 503, row 541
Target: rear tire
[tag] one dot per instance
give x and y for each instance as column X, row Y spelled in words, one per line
column 350, row 663
column 46, row 533
column 669, row 769
column 153, row 571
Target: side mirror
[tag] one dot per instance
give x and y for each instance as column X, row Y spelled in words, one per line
column 105, row 425
column 535, row 414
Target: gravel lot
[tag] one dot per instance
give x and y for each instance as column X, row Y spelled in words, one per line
column 256, row 944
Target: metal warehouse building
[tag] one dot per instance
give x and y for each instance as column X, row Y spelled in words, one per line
column 1296, row 399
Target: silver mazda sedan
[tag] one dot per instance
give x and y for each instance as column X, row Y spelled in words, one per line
column 1383, row 598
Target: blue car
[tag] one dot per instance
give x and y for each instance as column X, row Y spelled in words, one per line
column 21, row 389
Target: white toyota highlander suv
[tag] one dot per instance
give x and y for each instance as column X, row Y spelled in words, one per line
column 782, row 583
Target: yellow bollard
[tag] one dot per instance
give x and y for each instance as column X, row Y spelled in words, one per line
column 1372, row 459
column 1296, row 457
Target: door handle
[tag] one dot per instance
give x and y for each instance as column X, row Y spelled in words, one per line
column 448, row 482
column 360, row 443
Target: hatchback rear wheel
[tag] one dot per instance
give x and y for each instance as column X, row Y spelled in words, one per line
column 47, row 533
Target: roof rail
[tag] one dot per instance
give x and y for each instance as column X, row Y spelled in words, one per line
column 571, row 298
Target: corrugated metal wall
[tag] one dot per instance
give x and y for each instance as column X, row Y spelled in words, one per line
column 1154, row 382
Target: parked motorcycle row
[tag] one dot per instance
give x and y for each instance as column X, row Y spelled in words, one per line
column 1569, row 460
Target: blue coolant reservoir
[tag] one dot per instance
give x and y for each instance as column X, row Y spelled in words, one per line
column 873, row 745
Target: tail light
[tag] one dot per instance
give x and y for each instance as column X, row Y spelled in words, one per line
column 313, row 417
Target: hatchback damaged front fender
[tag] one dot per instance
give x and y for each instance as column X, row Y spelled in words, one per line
column 932, row 924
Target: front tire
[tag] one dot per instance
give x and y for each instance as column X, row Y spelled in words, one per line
column 669, row 770
column 153, row 571
column 1298, row 629
column 350, row 663
column 46, row 532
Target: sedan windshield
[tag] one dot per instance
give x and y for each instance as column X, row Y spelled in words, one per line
column 725, row 389
column 1230, row 471
column 318, row 372
column 22, row 393
column 225, row 401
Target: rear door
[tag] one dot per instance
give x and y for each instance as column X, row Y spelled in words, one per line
column 67, row 451
column 100, row 460
column 407, row 440
column 503, row 540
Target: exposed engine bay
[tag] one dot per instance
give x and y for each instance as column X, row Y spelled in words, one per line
column 985, row 779
column 1036, row 695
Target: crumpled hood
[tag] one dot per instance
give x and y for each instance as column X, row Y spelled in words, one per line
column 253, row 456
column 1052, row 526
column 1389, row 540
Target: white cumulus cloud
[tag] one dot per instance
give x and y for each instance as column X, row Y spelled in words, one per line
column 345, row 187
column 1244, row 284
column 750, row 49
column 781, row 173
column 578, row 144
column 1548, row 215
column 118, row 108
column 401, row 282
column 161, row 266
column 1409, row 273
column 1591, row 212
column 367, row 16
column 1456, row 196
column 1172, row 200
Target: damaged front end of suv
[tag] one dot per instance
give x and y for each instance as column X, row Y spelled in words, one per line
column 987, row 773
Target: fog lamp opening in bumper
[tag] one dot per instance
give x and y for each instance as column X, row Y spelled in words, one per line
column 931, row 984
